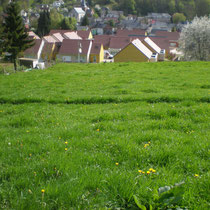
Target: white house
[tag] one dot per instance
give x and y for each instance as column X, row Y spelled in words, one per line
column 78, row 13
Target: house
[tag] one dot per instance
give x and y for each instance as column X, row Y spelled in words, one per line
column 82, row 34
column 85, row 34
column 48, row 52
column 71, row 35
column 31, row 56
column 78, row 13
column 103, row 39
column 32, row 35
column 97, row 53
column 34, row 52
column 161, row 17
column 135, row 51
column 75, row 51
column 117, row 43
column 134, row 32
column 154, row 48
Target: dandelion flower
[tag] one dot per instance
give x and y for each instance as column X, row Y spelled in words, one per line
column 153, row 171
column 66, row 149
column 148, row 172
column 43, row 191
column 116, row 164
column 66, row 142
column 196, row 175
column 140, row 171
column 98, row 130
column 146, row 145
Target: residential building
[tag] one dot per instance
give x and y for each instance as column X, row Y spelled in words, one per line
column 135, row 51
column 75, row 51
column 78, row 13
column 97, row 53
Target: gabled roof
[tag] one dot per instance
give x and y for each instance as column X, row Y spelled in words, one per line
column 33, row 35
column 35, row 48
column 71, row 47
column 58, row 37
column 50, row 39
column 162, row 42
column 126, row 32
column 96, row 48
column 119, row 42
column 141, row 47
column 103, row 39
column 71, row 35
column 152, row 44
column 169, row 35
column 79, row 10
column 47, row 49
column 83, row 34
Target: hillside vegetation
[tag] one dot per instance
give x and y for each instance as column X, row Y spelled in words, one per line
column 97, row 136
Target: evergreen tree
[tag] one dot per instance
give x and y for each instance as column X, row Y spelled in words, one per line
column 85, row 21
column 44, row 23
column 15, row 39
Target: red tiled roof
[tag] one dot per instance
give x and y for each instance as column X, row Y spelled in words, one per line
column 47, row 49
column 35, row 48
column 96, row 47
column 126, row 32
column 163, row 43
column 168, row 35
column 119, row 42
column 83, row 34
column 72, row 46
column 103, row 39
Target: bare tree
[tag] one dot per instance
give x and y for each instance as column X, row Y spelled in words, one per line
column 195, row 39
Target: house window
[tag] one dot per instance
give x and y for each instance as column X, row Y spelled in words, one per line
column 94, row 59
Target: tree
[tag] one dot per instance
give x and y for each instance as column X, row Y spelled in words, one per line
column 178, row 17
column 55, row 19
column 15, row 39
column 44, row 23
column 195, row 40
column 68, row 23
column 85, row 21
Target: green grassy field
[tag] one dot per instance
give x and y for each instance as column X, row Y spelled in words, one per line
column 106, row 136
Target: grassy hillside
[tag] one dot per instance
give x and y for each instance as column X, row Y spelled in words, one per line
column 85, row 136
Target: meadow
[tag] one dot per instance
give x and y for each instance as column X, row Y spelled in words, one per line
column 106, row 136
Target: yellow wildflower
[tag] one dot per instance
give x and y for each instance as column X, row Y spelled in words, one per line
column 98, row 129
column 66, row 149
column 148, row 172
column 116, row 164
column 30, row 191
column 153, row 171
column 146, row 145
column 66, row 142
column 43, row 191
column 196, row 175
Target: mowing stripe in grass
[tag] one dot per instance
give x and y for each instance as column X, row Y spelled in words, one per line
column 104, row 100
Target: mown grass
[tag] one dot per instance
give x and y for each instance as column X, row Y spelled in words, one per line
column 65, row 128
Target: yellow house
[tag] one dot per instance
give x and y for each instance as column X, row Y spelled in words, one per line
column 135, row 51
column 97, row 53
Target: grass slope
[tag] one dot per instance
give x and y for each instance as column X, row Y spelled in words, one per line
column 81, row 133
